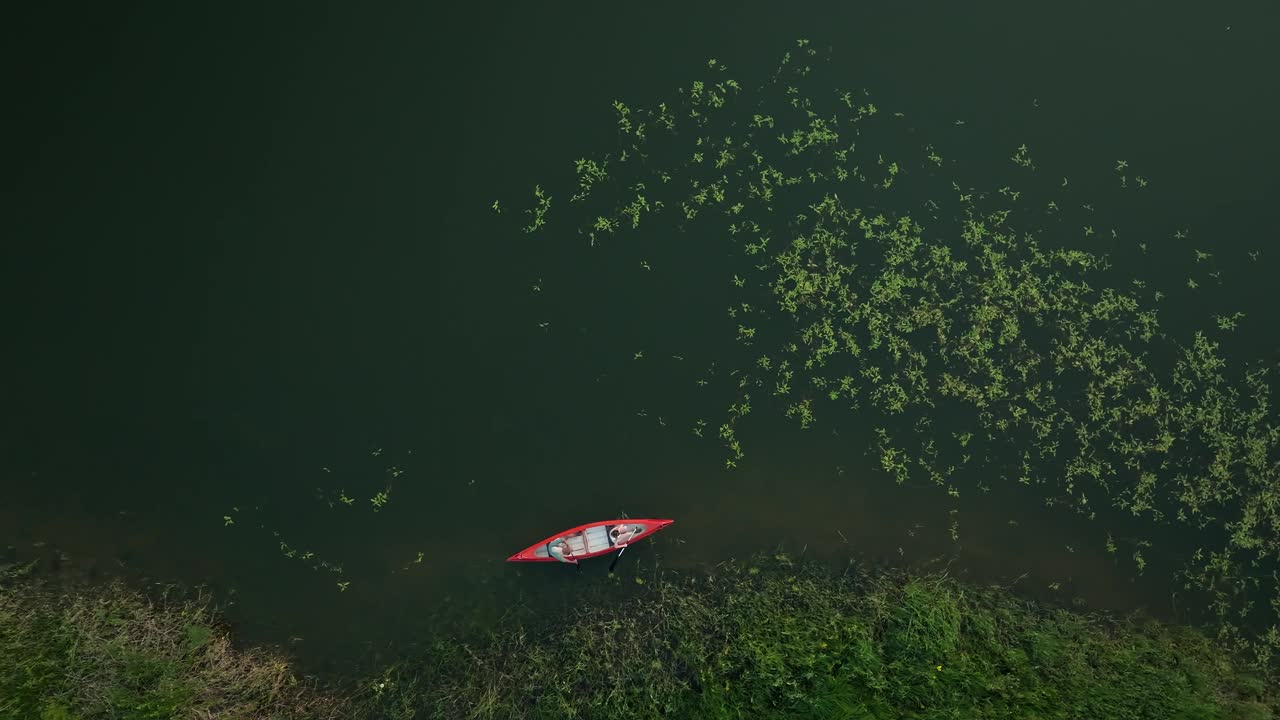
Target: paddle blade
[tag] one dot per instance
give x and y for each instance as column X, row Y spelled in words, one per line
column 615, row 558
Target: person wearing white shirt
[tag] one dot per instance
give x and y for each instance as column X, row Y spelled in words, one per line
column 623, row 533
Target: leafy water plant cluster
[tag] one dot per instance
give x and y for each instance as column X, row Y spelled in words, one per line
column 978, row 328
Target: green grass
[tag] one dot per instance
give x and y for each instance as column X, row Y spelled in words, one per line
column 780, row 640
column 111, row 652
column 770, row 638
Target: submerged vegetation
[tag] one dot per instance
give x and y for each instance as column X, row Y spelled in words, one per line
column 974, row 328
column 771, row 637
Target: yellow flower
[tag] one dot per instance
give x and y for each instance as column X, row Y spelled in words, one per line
column 939, row 668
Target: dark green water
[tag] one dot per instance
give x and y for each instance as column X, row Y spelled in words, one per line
column 244, row 243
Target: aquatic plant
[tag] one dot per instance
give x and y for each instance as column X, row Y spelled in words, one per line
column 778, row 637
column 257, row 520
column 772, row 636
column 867, row 275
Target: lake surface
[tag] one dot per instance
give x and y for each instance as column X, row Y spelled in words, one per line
column 250, row 255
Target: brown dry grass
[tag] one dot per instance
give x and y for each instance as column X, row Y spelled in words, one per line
column 113, row 651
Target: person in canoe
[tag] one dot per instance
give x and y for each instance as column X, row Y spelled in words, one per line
column 560, row 550
column 623, row 533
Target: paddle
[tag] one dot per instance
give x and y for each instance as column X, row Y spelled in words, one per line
column 615, row 558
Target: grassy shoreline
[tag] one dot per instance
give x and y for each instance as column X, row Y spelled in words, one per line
column 74, row 650
column 769, row 637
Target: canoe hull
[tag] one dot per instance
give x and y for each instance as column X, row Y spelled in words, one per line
column 589, row 540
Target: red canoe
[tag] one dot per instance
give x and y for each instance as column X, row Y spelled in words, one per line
column 588, row 541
